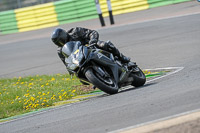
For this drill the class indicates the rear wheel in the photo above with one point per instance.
(107, 84)
(139, 77)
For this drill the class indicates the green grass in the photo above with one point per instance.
(22, 95)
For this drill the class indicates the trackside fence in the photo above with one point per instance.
(68, 11)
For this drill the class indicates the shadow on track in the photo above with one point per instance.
(134, 88)
(126, 90)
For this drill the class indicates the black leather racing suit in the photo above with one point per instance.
(87, 36)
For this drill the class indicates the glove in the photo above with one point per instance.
(92, 41)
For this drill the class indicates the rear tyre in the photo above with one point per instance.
(139, 77)
(107, 85)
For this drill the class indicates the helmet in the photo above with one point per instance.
(60, 37)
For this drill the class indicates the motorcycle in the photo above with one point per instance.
(101, 68)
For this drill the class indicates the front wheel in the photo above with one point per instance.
(107, 85)
(139, 77)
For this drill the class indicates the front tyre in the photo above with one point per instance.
(107, 85)
(139, 77)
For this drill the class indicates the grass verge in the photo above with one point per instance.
(22, 95)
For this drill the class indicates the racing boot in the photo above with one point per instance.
(123, 58)
(111, 48)
(126, 60)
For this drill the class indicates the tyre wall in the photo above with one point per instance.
(68, 11)
(127, 6)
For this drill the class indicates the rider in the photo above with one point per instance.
(86, 36)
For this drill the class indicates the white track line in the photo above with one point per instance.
(155, 121)
(167, 68)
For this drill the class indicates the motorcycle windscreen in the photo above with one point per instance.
(75, 58)
(70, 47)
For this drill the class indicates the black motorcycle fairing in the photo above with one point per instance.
(85, 51)
(97, 56)
(100, 71)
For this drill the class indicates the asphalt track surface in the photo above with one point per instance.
(170, 42)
